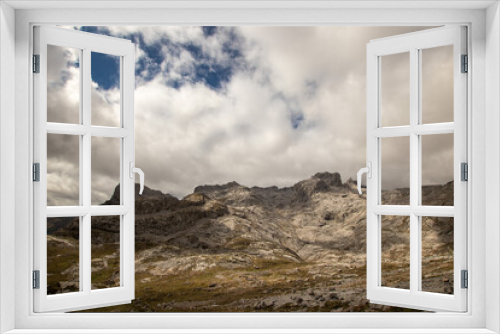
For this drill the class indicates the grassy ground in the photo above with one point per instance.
(263, 286)
(62, 256)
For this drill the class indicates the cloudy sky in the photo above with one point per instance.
(258, 105)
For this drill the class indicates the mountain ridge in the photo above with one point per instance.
(305, 245)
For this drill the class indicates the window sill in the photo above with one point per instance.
(252, 331)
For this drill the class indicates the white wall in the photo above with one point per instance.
(23, 267)
(7, 159)
(492, 163)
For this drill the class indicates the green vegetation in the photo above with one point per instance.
(62, 257)
(105, 265)
(265, 285)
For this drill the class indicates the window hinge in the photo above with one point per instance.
(465, 279)
(465, 64)
(36, 279)
(36, 172)
(464, 171)
(36, 63)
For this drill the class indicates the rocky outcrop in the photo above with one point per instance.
(216, 188)
(151, 201)
(319, 183)
(297, 248)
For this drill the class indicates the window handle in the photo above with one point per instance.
(134, 170)
(368, 171)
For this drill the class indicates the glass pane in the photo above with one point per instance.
(63, 84)
(437, 170)
(105, 239)
(105, 73)
(437, 84)
(63, 255)
(395, 89)
(105, 171)
(63, 170)
(395, 251)
(437, 254)
(395, 166)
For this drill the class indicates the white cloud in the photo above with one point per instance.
(193, 135)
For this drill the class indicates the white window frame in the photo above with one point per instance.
(482, 18)
(85, 298)
(413, 44)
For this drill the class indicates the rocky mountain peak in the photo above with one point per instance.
(235, 194)
(148, 192)
(318, 183)
(150, 201)
(206, 189)
(331, 179)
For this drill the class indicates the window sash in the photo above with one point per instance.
(413, 43)
(86, 298)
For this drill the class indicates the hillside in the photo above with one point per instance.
(231, 248)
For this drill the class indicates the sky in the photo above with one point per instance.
(262, 106)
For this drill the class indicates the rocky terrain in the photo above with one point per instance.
(231, 248)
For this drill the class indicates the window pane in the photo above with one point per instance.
(395, 89)
(63, 84)
(105, 74)
(105, 171)
(105, 239)
(63, 255)
(395, 170)
(437, 254)
(437, 170)
(437, 84)
(63, 170)
(395, 251)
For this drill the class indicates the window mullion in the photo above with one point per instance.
(85, 265)
(85, 163)
(414, 171)
(85, 167)
(81, 250)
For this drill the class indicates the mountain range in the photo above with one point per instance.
(232, 248)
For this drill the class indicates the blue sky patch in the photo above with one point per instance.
(209, 31)
(205, 69)
(105, 70)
